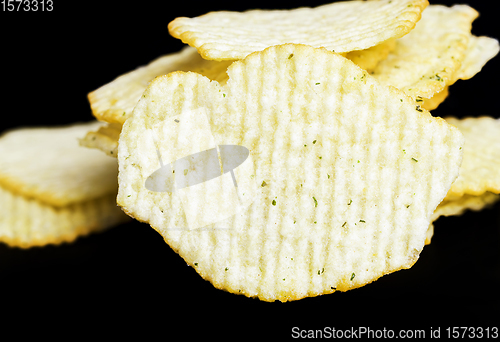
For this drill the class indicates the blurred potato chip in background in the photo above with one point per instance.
(52, 189)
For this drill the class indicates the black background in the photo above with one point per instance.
(128, 279)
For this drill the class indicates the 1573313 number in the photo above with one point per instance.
(472, 332)
(27, 5)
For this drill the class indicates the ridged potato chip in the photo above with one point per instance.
(427, 59)
(347, 173)
(28, 222)
(114, 102)
(51, 189)
(340, 26)
(480, 170)
(479, 51)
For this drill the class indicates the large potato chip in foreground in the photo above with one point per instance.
(345, 173)
(426, 60)
(341, 26)
(114, 102)
(51, 189)
(480, 170)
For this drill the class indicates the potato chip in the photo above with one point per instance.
(467, 202)
(49, 165)
(426, 60)
(480, 170)
(435, 100)
(104, 139)
(429, 234)
(369, 58)
(51, 189)
(458, 206)
(341, 26)
(115, 101)
(344, 179)
(479, 51)
(26, 222)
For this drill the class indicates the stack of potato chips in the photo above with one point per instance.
(345, 170)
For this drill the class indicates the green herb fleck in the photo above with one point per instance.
(418, 108)
(129, 195)
(315, 202)
(352, 276)
(328, 176)
(123, 114)
(350, 201)
(196, 264)
(414, 159)
(419, 99)
(317, 83)
(224, 95)
(407, 206)
(228, 268)
(401, 100)
(314, 141)
(290, 56)
(185, 172)
(344, 224)
(362, 221)
(263, 184)
(274, 202)
(320, 157)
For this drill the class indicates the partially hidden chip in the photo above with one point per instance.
(479, 51)
(105, 138)
(480, 170)
(458, 206)
(114, 102)
(52, 189)
(428, 58)
(343, 26)
(329, 182)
